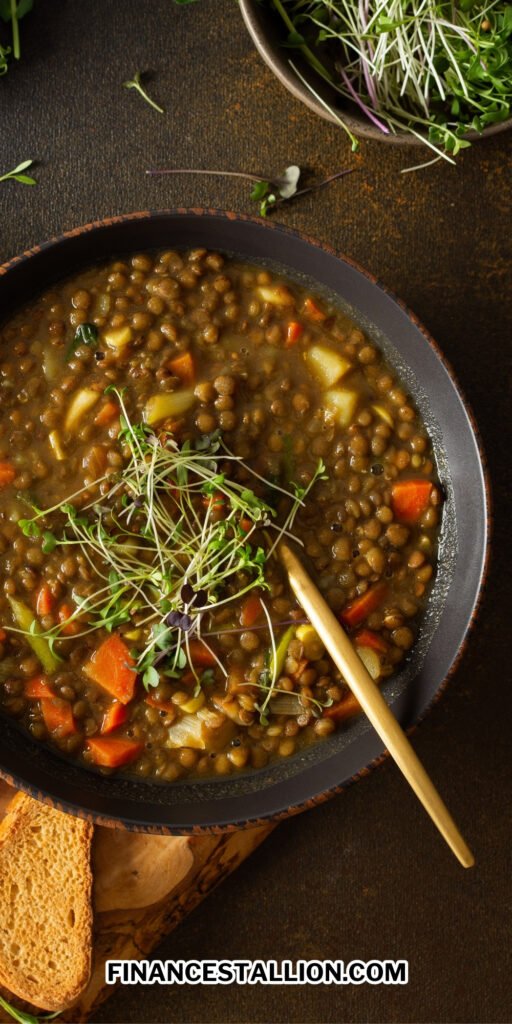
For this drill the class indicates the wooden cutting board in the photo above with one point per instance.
(144, 885)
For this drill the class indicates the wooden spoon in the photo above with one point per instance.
(371, 700)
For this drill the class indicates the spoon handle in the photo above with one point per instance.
(371, 700)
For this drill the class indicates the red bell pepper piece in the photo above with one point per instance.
(44, 600)
(313, 311)
(294, 331)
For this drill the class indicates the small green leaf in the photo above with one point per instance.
(85, 334)
(49, 542)
(260, 190)
(150, 677)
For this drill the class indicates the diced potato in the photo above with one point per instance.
(342, 404)
(56, 446)
(313, 646)
(52, 362)
(80, 403)
(169, 403)
(384, 414)
(118, 337)
(277, 295)
(370, 660)
(191, 706)
(188, 732)
(305, 632)
(326, 365)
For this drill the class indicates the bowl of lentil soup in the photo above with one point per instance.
(179, 388)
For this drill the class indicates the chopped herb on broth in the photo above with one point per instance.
(164, 420)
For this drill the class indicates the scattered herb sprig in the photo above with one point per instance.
(12, 11)
(22, 1016)
(267, 192)
(136, 83)
(18, 174)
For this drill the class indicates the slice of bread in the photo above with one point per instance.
(45, 903)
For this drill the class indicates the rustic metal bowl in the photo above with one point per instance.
(310, 776)
(267, 33)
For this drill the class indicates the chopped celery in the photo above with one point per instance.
(24, 618)
(277, 664)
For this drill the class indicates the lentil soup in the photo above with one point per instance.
(164, 419)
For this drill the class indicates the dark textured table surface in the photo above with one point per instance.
(364, 875)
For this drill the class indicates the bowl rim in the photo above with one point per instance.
(312, 799)
(254, 17)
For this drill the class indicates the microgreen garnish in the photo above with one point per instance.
(432, 70)
(85, 334)
(161, 555)
(17, 173)
(136, 83)
(22, 1016)
(267, 192)
(13, 11)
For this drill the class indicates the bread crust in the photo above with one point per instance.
(45, 903)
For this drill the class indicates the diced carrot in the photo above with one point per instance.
(37, 688)
(162, 705)
(114, 716)
(3, 636)
(200, 655)
(184, 368)
(343, 708)
(112, 667)
(44, 600)
(68, 628)
(294, 331)
(313, 311)
(7, 473)
(410, 498)
(107, 413)
(251, 611)
(58, 716)
(112, 752)
(359, 610)
(246, 524)
(367, 638)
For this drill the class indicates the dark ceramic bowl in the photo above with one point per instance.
(268, 35)
(310, 776)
